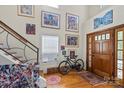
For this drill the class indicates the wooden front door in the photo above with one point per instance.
(102, 53)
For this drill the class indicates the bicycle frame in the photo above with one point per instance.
(70, 61)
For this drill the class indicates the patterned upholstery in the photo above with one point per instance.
(18, 76)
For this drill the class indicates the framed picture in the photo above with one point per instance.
(62, 47)
(30, 29)
(50, 20)
(63, 52)
(106, 19)
(72, 40)
(72, 54)
(25, 10)
(72, 22)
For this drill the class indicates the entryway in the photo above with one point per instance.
(105, 53)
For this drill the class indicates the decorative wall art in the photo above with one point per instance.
(62, 47)
(72, 40)
(72, 22)
(105, 20)
(72, 54)
(30, 29)
(26, 10)
(51, 20)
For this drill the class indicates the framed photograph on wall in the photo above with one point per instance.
(25, 10)
(62, 47)
(72, 22)
(50, 20)
(71, 40)
(72, 54)
(30, 29)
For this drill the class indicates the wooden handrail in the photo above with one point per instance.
(15, 34)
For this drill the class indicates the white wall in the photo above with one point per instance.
(96, 9)
(118, 18)
(10, 17)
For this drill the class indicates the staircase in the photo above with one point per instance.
(16, 48)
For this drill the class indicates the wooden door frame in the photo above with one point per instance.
(87, 53)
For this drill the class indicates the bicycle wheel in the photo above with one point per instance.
(64, 67)
(79, 65)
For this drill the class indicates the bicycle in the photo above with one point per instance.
(66, 65)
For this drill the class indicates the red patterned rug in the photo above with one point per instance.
(53, 79)
(92, 78)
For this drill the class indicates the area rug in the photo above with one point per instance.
(53, 79)
(92, 78)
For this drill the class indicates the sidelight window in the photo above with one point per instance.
(120, 54)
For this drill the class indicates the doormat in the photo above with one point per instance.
(53, 79)
(92, 78)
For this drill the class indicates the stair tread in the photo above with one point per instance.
(7, 49)
(20, 60)
(11, 52)
(19, 56)
(24, 61)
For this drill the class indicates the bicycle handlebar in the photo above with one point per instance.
(69, 56)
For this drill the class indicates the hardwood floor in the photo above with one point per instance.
(73, 80)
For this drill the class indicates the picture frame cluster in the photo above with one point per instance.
(52, 20)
